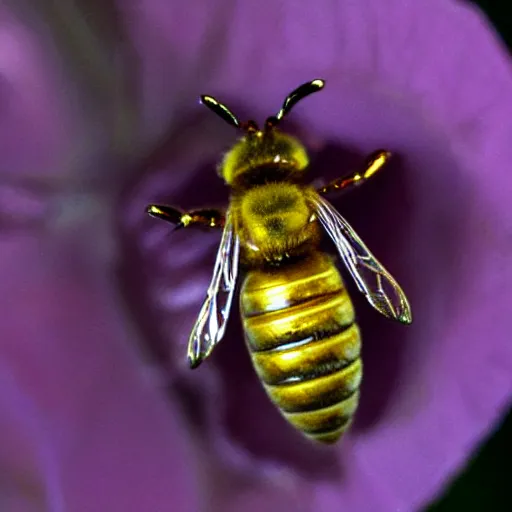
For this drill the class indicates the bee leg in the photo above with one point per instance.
(206, 218)
(374, 163)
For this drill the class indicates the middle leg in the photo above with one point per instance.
(206, 218)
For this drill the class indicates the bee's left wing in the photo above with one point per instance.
(211, 322)
(372, 279)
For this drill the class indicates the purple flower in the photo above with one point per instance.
(98, 410)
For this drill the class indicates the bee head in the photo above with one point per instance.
(263, 147)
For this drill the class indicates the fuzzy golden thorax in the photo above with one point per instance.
(274, 223)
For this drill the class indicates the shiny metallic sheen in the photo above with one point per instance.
(301, 92)
(311, 358)
(220, 109)
(304, 344)
(263, 296)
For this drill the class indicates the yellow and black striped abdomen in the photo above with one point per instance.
(305, 344)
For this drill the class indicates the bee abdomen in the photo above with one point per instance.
(315, 385)
(305, 345)
(294, 362)
(328, 423)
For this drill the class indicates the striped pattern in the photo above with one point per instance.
(304, 344)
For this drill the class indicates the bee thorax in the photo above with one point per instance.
(275, 223)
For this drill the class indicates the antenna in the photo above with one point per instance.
(295, 96)
(221, 110)
(250, 126)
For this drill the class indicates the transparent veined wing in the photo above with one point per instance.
(211, 322)
(372, 279)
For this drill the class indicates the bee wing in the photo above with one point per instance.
(372, 279)
(211, 322)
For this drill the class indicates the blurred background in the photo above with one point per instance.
(485, 484)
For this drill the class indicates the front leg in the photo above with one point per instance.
(206, 218)
(374, 163)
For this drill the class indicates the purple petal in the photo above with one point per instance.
(430, 83)
(97, 413)
(68, 115)
(427, 82)
(35, 129)
(27, 468)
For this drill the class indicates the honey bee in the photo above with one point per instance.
(298, 318)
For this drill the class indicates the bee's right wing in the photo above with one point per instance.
(372, 279)
(211, 322)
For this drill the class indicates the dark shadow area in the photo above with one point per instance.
(485, 484)
(498, 14)
(248, 416)
(384, 202)
(386, 214)
(139, 268)
(255, 423)
(420, 244)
